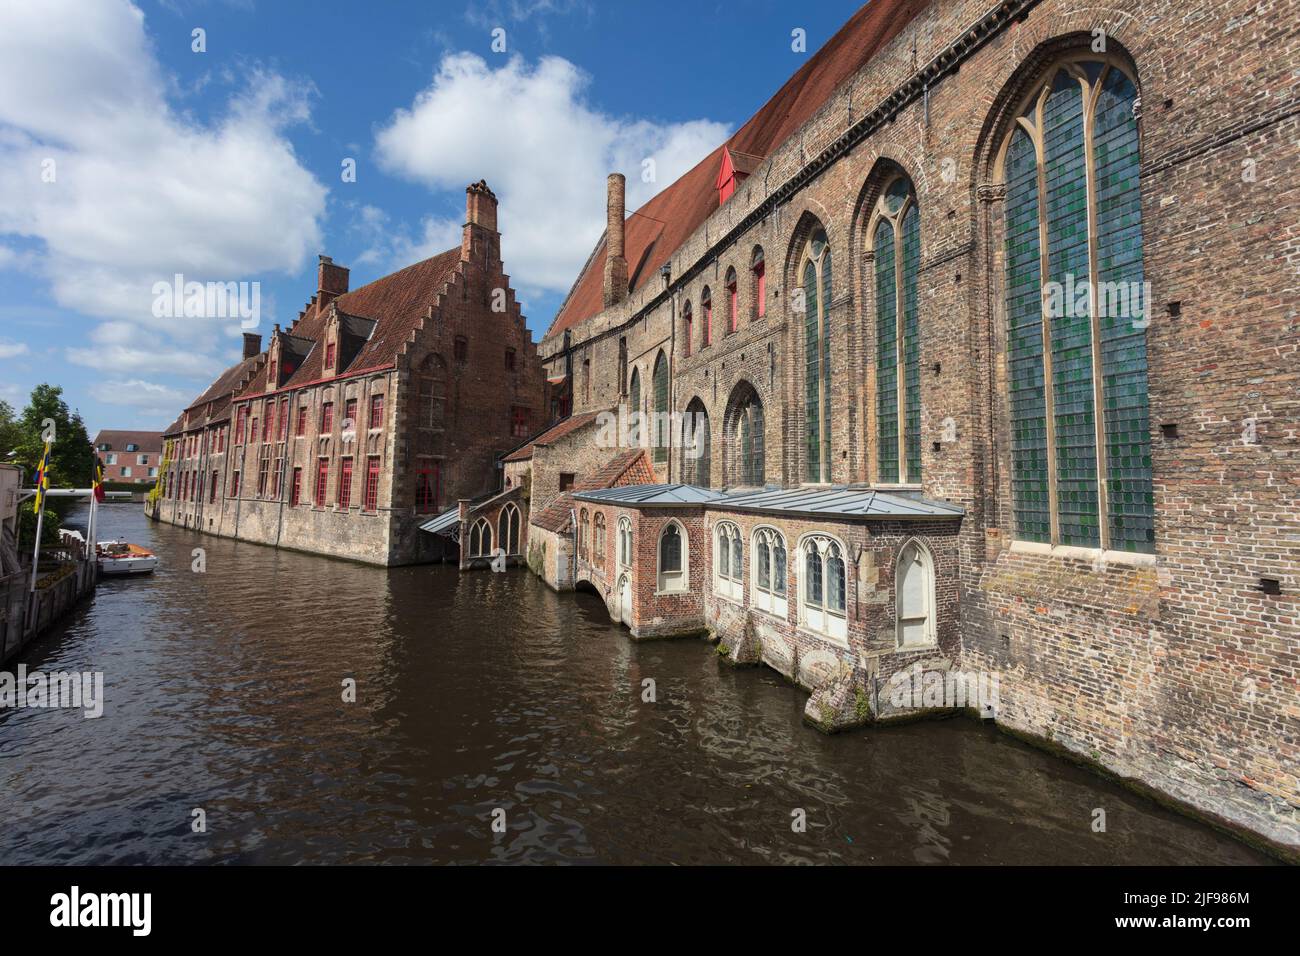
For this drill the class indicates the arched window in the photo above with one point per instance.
(660, 382)
(634, 408)
(896, 243)
(733, 301)
(816, 300)
(745, 434)
(696, 464)
(598, 558)
(672, 558)
(584, 535)
(758, 269)
(822, 601)
(687, 329)
(480, 539)
(508, 529)
(625, 542)
(728, 561)
(1077, 372)
(706, 316)
(914, 596)
(768, 558)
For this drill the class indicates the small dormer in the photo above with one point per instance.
(735, 167)
(344, 337)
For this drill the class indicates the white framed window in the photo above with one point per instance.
(142, 459)
(126, 472)
(625, 542)
(673, 554)
(768, 560)
(822, 587)
(728, 561)
(112, 459)
(914, 596)
(153, 472)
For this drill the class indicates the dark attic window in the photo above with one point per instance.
(462, 349)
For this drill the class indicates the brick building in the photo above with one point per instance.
(130, 455)
(908, 439)
(377, 409)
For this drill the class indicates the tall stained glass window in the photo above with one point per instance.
(896, 243)
(816, 278)
(1077, 313)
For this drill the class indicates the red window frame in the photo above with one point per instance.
(344, 495)
(302, 420)
(372, 484)
(276, 476)
(234, 484)
(350, 412)
(322, 480)
(241, 421)
(519, 421)
(268, 419)
(295, 490)
(428, 485)
(329, 355)
(377, 411)
(283, 432)
(760, 289)
(327, 418)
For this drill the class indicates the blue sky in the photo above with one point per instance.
(127, 157)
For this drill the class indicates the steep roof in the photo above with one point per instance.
(626, 468)
(557, 431)
(395, 302)
(118, 440)
(656, 230)
(227, 382)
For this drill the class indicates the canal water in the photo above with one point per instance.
(486, 692)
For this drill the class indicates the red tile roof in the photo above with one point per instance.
(626, 468)
(397, 302)
(551, 435)
(118, 440)
(656, 230)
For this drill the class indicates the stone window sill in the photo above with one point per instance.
(1091, 555)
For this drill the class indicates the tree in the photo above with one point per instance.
(72, 459)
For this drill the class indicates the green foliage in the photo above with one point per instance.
(72, 459)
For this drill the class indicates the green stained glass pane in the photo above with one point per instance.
(660, 384)
(1029, 486)
(886, 353)
(812, 374)
(1121, 307)
(826, 361)
(911, 344)
(1066, 177)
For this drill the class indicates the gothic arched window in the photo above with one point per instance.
(822, 598)
(672, 558)
(508, 529)
(816, 301)
(768, 558)
(696, 463)
(896, 244)
(1077, 310)
(660, 384)
(914, 596)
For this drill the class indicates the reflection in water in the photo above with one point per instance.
(479, 692)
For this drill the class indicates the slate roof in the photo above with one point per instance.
(443, 522)
(840, 501)
(656, 230)
(648, 495)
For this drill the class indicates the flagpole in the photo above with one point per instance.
(36, 551)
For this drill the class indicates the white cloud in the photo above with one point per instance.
(12, 349)
(141, 191)
(544, 150)
(138, 393)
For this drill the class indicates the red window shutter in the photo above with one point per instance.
(372, 483)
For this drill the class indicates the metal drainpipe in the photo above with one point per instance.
(573, 572)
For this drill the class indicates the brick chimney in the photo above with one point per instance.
(331, 281)
(252, 344)
(480, 234)
(615, 288)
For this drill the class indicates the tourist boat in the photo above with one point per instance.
(121, 557)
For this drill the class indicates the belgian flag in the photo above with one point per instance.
(99, 480)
